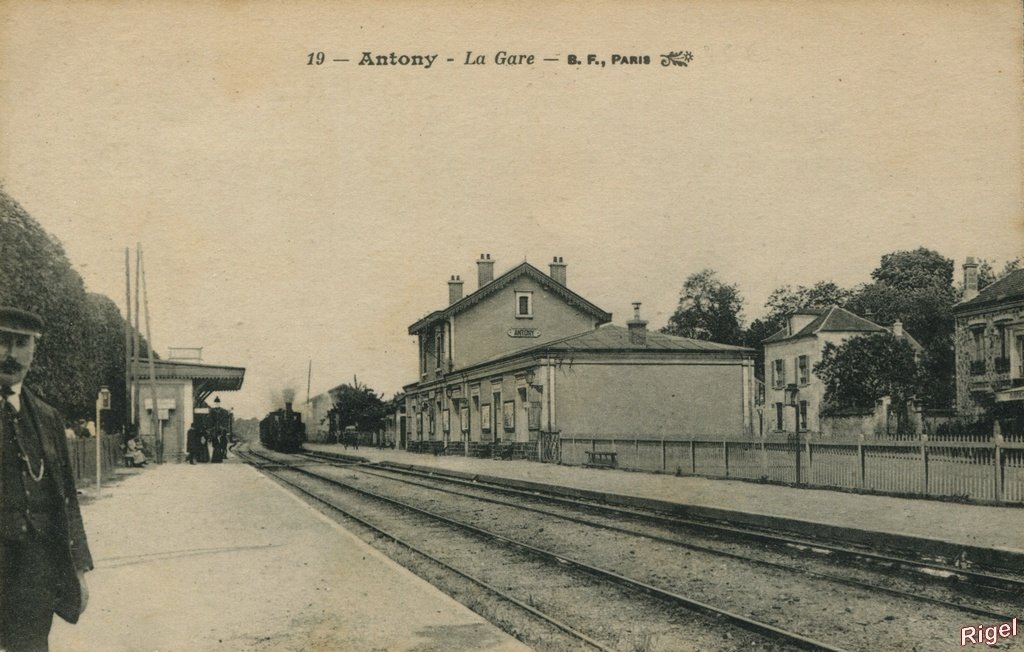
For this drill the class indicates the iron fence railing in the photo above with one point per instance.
(82, 453)
(979, 471)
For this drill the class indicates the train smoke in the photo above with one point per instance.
(279, 397)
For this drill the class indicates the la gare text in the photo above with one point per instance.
(500, 58)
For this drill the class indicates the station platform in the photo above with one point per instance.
(986, 536)
(220, 557)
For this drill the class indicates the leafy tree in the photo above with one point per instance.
(823, 294)
(357, 405)
(916, 288)
(83, 344)
(708, 310)
(863, 369)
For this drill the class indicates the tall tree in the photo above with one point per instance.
(863, 369)
(823, 294)
(708, 310)
(916, 288)
(357, 405)
(83, 344)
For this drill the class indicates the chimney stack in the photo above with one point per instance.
(454, 289)
(970, 279)
(637, 327)
(557, 268)
(897, 328)
(485, 269)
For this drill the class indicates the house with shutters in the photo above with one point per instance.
(789, 358)
(527, 364)
(989, 343)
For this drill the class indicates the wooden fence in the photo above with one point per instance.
(983, 471)
(83, 458)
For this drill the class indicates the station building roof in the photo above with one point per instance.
(522, 269)
(213, 378)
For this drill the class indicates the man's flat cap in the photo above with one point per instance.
(23, 322)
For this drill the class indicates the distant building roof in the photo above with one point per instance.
(522, 269)
(1007, 288)
(830, 320)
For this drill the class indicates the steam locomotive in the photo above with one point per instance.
(283, 430)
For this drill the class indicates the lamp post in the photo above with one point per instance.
(792, 396)
(102, 403)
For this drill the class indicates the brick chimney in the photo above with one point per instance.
(454, 289)
(485, 269)
(557, 268)
(637, 327)
(970, 279)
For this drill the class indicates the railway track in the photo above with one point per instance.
(890, 565)
(587, 604)
(616, 529)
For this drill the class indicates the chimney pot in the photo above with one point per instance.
(637, 327)
(485, 269)
(557, 270)
(970, 278)
(454, 289)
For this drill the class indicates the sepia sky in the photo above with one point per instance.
(291, 212)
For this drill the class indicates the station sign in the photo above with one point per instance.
(523, 332)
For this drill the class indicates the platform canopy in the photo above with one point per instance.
(206, 378)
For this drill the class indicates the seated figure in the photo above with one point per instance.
(134, 452)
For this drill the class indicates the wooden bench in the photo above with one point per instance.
(601, 459)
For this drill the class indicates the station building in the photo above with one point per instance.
(182, 385)
(527, 365)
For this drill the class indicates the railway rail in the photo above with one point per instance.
(599, 590)
(630, 528)
(885, 569)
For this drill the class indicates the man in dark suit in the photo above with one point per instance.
(43, 550)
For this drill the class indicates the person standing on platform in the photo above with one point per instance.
(192, 444)
(43, 550)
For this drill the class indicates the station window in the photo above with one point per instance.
(524, 305)
(803, 369)
(780, 424)
(803, 415)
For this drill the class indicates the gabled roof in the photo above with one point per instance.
(1007, 288)
(523, 269)
(832, 320)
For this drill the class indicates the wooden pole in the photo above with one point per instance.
(136, 352)
(152, 371)
(129, 416)
(309, 379)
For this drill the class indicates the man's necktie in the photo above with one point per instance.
(10, 421)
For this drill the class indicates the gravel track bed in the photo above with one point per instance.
(620, 619)
(801, 558)
(848, 617)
